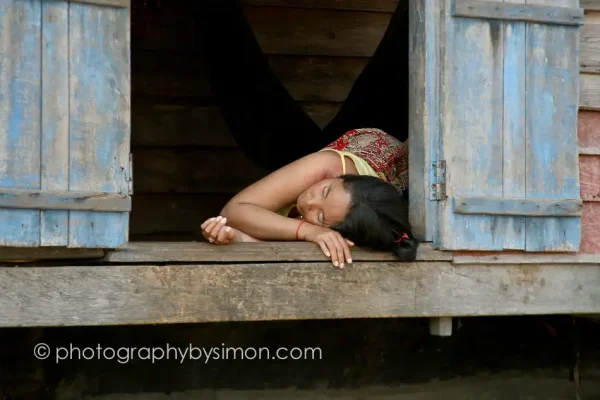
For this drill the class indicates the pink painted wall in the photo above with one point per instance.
(589, 172)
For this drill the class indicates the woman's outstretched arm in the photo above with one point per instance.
(254, 210)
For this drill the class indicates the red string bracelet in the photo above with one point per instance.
(401, 238)
(298, 229)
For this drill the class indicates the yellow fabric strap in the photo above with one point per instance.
(362, 166)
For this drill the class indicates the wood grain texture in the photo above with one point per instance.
(279, 30)
(308, 79)
(149, 294)
(54, 225)
(502, 258)
(29, 254)
(590, 92)
(590, 227)
(163, 124)
(360, 5)
(178, 215)
(317, 32)
(71, 200)
(99, 119)
(590, 151)
(589, 172)
(109, 3)
(551, 141)
(473, 87)
(20, 115)
(588, 129)
(513, 126)
(518, 206)
(190, 170)
(424, 107)
(524, 12)
(590, 4)
(592, 17)
(152, 252)
(589, 48)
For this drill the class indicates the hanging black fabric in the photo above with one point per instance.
(267, 123)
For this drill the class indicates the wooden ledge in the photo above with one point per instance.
(27, 254)
(536, 258)
(150, 252)
(150, 294)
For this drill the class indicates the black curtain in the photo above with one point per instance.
(268, 124)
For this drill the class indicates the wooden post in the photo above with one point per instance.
(440, 326)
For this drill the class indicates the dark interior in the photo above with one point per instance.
(223, 92)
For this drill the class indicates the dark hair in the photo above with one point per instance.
(377, 217)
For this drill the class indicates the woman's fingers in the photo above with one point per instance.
(337, 254)
(346, 249)
(213, 228)
(324, 248)
(224, 236)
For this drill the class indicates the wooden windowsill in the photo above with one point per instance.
(148, 252)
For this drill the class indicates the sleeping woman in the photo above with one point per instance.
(339, 186)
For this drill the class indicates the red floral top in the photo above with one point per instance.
(384, 153)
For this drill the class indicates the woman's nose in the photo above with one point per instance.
(311, 203)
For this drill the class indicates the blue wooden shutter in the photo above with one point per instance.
(65, 173)
(505, 161)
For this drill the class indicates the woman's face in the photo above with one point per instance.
(325, 203)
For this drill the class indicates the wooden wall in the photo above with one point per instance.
(589, 127)
(186, 165)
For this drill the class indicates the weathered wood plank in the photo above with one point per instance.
(360, 5)
(513, 126)
(589, 151)
(20, 115)
(279, 30)
(526, 258)
(156, 124)
(524, 12)
(148, 294)
(308, 79)
(590, 92)
(589, 48)
(589, 175)
(151, 252)
(71, 200)
(54, 225)
(473, 93)
(522, 206)
(424, 126)
(590, 4)
(292, 31)
(588, 129)
(185, 170)
(26, 254)
(180, 214)
(109, 3)
(551, 147)
(590, 227)
(591, 17)
(99, 119)
(327, 79)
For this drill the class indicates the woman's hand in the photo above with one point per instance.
(215, 231)
(331, 242)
